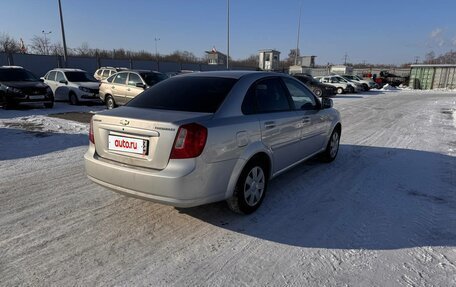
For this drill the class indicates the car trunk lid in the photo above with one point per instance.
(140, 137)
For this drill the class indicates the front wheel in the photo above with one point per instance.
(332, 148)
(318, 92)
(250, 189)
(73, 99)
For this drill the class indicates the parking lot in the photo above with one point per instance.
(382, 214)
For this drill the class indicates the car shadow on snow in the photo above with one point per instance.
(369, 198)
(22, 143)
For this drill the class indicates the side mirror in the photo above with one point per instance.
(140, 85)
(42, 79)
(63, 82)
(326, 103)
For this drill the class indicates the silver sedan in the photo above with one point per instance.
(212, 136)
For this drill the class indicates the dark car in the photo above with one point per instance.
(319, 89)
(20, 86)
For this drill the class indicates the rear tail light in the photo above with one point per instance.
(189, 142)
(91, 137)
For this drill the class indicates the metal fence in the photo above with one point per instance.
(41, 64)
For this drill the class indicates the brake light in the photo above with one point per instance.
(189, 142)
(91, 137)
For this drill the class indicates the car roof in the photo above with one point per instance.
(68, 70)
(11, 67)
(231, 74)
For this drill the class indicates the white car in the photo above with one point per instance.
(367, 85)
(73, 85)
(342, 85)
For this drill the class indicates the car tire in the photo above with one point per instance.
(49, 105)
(318, 92)
(365, 87)
(332, 148)
(339, 90)
(250, 188)
(351, 90)
(110, 103)
(73, 99)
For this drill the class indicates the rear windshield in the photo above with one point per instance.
(79, 77)
(191, 94)
(13, 75)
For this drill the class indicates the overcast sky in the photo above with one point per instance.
(388, 31)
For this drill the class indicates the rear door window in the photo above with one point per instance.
(105, 73)
(266, 96)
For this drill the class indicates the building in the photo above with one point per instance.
(307, 61)
(269, 60)
(428, 77)
(214, 57)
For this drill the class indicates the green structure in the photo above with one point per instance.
(428, 77)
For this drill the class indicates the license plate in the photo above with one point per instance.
(39, 97)
(126, 144)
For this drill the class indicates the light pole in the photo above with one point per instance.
(299, 32)
(228, 36)
(46, 50)
(63, 35)
(156, 49)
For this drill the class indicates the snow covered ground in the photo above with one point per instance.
(382, 214)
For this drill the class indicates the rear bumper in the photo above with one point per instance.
(183, 183)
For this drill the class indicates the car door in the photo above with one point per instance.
(61, 91)
(315, 121)
(280, 125)
(49, 80)
(119, 88)
(132, 90)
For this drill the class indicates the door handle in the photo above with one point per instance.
(306, 120)
(112, 87)
(128, 89)
(269, 125)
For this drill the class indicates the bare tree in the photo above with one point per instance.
(8, 44)
(40, 45)
(85, 50)
(56, 49)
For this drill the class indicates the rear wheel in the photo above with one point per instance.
(73, 99)
(366, 87)
(339, 90)
(49, 105)
(250, 188)
(110, 103)
(332, 148)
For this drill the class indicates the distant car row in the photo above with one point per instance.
(20, 86)
(326, 86)
(119, 85)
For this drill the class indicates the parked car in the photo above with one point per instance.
(366, 84)
(318, 88)
(20, 86)
(73, 85)
(106, 72)
(123, 86)
(211, 136)
(341, 85)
